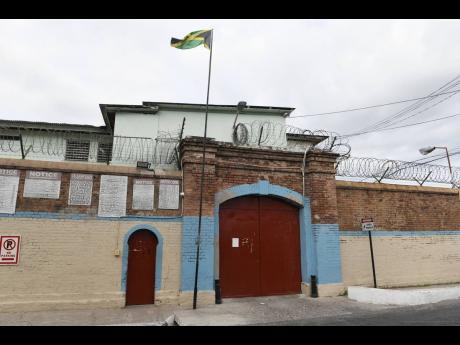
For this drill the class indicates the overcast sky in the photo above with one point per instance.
(61, 70)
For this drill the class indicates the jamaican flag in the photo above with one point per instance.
(193, 39)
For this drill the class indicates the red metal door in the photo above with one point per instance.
(279, 248)
(140, 285)
(239, 247)
(266, 259)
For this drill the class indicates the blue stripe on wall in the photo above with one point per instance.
(307, 243)
(78, 216)
(399, 233)
(327, 243)
(206, 265)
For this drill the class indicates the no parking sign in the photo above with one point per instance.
(9, 250)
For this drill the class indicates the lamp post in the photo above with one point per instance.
(429, 149)
(239, 108)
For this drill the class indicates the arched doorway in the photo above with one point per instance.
(140, 286)
(259, 247)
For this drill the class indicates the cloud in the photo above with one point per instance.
(60, 70)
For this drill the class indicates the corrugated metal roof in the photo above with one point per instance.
(37, 125)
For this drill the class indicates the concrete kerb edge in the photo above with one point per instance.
(415, 296)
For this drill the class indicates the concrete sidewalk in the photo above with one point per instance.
(260, 310)
(241, 311)
(143, 315)
(232, 312)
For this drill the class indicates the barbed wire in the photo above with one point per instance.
(68, 145)
(379, 169)
(275, 135)
(163, 150)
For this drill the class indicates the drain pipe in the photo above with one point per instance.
(313, 280)
(303, 170)
(182, 194)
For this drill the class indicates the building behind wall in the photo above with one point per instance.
(75, 224)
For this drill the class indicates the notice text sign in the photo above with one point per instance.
(367, 224)
(169, 195)
(143, 193)
(42, 184)
(112, 196)
(9, 182)
(81, 188)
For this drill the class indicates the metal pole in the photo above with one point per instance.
(197, 262)
(448, 160)
(372, 257)
(22, 146)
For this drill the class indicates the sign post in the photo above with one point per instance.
(367, 224)
(9, 250)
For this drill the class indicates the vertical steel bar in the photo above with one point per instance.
(197, 263)
(372, 257)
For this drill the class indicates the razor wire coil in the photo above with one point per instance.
(275, 135)
(56, 145)
(365, 167)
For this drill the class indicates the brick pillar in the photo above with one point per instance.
(192, 155)
(320, 187)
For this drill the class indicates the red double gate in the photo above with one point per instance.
(259, 247)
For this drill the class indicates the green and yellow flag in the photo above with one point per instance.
(193, 39)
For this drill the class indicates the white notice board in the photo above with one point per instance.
(169, 195)
(143, 194)
(112, 196)
(9, 182)
(42, 184)
(80, 190)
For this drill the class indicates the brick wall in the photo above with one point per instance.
(61, 205)
(397, 207)
(228, 166)
(417, 236)
(52, 238)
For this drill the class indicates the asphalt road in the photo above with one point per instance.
(446, 313)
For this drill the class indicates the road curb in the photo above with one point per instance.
(402, 296)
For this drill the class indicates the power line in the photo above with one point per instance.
(387, 121)
(421, 111)
(408, 125)
(373, 106)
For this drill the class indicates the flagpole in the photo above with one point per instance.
(198, 240)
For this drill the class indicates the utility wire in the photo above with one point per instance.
(421, 111)
(402, 116)
(387, 121)
(391, 128)
(373, 106)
